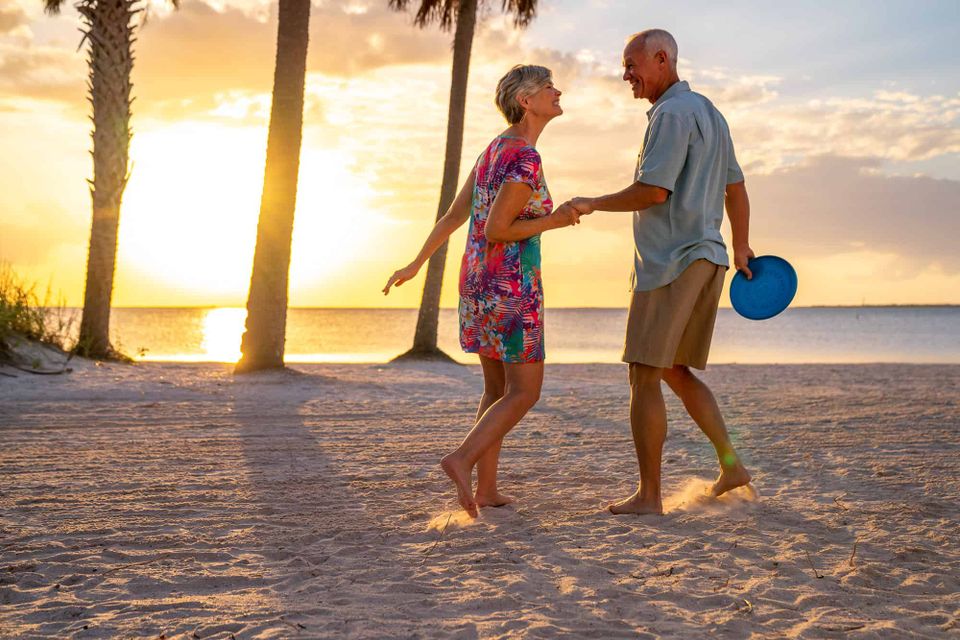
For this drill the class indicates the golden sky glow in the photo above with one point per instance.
(855, 183)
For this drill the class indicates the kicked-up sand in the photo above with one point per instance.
(163, 500)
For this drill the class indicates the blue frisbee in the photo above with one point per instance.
(770, 291)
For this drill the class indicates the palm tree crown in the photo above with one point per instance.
(444, 11)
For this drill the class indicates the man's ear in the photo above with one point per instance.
(661, 56)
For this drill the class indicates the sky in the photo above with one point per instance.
(845, 116)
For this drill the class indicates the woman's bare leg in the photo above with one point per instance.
(521, 391)
(494, 380)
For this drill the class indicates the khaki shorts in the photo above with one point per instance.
(673, 325)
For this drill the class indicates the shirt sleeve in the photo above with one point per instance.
(524, 167)
(734, 172)
(665, 151)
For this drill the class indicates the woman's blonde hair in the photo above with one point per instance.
(521, 81)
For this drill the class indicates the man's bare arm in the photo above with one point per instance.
(636, 197)
(738, 210)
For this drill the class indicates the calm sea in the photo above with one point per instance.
(801, 335)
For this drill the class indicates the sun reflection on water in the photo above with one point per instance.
(222, 330)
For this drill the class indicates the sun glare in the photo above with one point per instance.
(222, 331)
(191, 211)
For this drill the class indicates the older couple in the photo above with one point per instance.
(686, 173)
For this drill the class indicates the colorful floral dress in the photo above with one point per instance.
(501, 293)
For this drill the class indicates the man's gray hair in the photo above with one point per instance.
(521, 81)
(653, 40)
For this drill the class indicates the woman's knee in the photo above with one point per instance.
(493, 392)
(526, 397)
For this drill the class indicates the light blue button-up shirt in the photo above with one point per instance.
(687, 150)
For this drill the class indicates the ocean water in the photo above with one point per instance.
(801, 335)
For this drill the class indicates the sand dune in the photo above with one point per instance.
(178, 500)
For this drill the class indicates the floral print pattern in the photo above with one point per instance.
(501, 293)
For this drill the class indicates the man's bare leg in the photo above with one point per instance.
(702, 407)
(648, 422)
(493, 385)
(521, 392)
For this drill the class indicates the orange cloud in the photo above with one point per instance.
(12, 17)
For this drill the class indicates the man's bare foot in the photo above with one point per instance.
(460, 474)
(637, 506)
(496, 500)
(730, 478)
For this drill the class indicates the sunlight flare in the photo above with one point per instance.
(222, 331)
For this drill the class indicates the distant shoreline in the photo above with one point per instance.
(817, 306)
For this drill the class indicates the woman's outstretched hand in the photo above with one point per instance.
(400, 276)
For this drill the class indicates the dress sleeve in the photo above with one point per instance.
(665, 151)
(524, 167)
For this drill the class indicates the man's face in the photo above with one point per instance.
(644, 71)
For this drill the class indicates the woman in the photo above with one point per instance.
(506, 200)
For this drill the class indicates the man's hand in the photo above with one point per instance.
(741, 255)
(400, 276)
(583, 205)
(566, 215)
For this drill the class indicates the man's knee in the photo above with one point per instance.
(677, 376)
(642, 375)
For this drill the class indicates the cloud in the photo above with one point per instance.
(730, 90)
(899, 127)
(202, 62)
(12, 17)
(833, 205)
(190, 59)
(40, 71)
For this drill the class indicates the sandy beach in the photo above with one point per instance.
(166, 500)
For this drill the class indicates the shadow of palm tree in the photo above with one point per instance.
(348, 491)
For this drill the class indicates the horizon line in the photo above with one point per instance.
(624, 308)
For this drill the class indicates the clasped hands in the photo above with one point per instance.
(570, 211)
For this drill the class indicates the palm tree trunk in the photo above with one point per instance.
(263, 341)
(108, 27)
(425, 337)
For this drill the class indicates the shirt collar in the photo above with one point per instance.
(672, 90)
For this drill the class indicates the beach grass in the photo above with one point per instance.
(24, 316)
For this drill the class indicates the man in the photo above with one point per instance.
(685, 174)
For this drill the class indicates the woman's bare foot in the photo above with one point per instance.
(637, 505)
(497, 499)
(730, 478)
(460, 474)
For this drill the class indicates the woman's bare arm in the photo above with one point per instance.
(453, 219)
(503, 225)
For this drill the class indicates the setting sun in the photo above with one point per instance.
(190, 211)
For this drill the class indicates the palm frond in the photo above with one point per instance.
(52, 7)
(440, 11)
(444, 12)
(523, 11)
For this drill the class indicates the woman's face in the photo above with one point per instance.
(545, 102)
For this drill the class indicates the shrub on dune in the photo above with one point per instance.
(26, 320)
